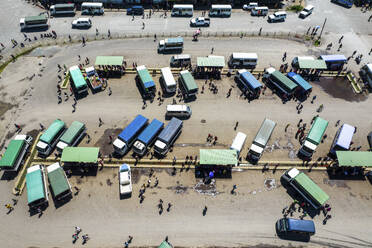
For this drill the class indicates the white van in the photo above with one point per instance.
(92, 8)
(243, 60)
(238, 142)
(260, 11)
(306, 11)
(278, 16)
(182, 10)
(179, 111)
(82, 22)
(167, 80)
(180, 60)
(250, 6)
(220, 10)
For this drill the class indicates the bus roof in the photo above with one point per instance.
(354, 158)
(35, 186)
(36, 18)
(57, 179)
(238, 141)
(145, 77)
(152, 129)
(335, 57)
(11, 153)
(133, 127)
(244, 55)
(210, 61)
(177, 107)
(221, 6)
(286, 82)
(183, 6)
(71, 133)
(249, 78)
(64, 5)
(265, 131)
(301, 225)
(317, 130)
(189, 80)
(345, 136)
(52, 131)
(168, 76)
(311, 188)
(92, 4)
(299, 80)
(80, 154)
(170, 130)
(174, 40)
(77, 77)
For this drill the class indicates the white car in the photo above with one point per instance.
(277, 16)
(306, 11)
(125, 181)
(250, 6)
(82, 23)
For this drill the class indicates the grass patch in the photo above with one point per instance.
(24, 52)
(317, 43)
(296, 8)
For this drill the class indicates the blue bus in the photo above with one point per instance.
(346, 3)
(304, 88)
(248, 82)
(334, 62)
(342, 139)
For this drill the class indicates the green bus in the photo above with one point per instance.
(79, 83)
(40, 21)
(15, 153)
(72, 136)
(314, 137)
(188, 83)
(37, 191)
(49, 139)
(283, 85)
(59, 183)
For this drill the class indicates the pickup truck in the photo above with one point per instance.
(200, 22)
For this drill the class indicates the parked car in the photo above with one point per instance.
(82, 23)
(200, 22)
(250, 6)
(278, 16)
(125, 181)
(306, 11)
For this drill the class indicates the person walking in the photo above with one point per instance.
(205, 210)
(212, 50)
(339, 41)
(169, 206)
(100, 121)
(236, 125)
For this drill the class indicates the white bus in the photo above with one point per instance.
(220, 10)
(238, 142)
(167, 80)
(243, 60)
(40, 21)
(62, 9)
(92, 8)
(183, 10)
(260, 11)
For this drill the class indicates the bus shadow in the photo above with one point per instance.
(9, 175)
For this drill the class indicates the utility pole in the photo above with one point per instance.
(321, 32)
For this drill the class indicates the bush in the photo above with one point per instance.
(296, 8)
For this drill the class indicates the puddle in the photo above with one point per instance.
(338, 183)
(270, 183)
(340, 88)
(45, 51)
(137, 173)
(206, 189)
(102, 143)
(4, 107)
(179, 189)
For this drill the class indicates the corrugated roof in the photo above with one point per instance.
(312, 64)
(170, 130)
(71, 133)
(77, 77)
(189, 81)
(354, 158)
(58, 181)
(145, 77)
(35, 18)
(249, 78)
(109, 60)
(52, 131)
(150, 131)
(299, 80)
(11, 153)
(212, 61)
(286, 82)
(133, 128)
(312, 188)
(80, 155)
(35, 186)
(317, 130)
(218, 157)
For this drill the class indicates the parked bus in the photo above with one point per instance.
(313, 138)
(79, 83)
(248, 83)
(346, 3)
(243, 60)
(188, 84)
(59, 183)
(145, 81)
(49, 139)
(334, 62)
(260, 141)
(168, 136)
(304, 88)
(168, 81)
(238, 142)
(260, 11)
(220, 10)
(37, 191)
(170, 44)
(281, 83)
(366, 74)
(15, 153)
(342, 139)
(182, 10)
(62, 9)
(29, 22)
(92, 9)
(72, 136)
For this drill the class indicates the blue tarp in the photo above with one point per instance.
(333, 58)
(251, 80)
(300, 81)
(129, 132)
(150, 131)
(301, 225)
(170, 130)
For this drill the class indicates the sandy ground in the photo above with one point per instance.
(245, 219)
